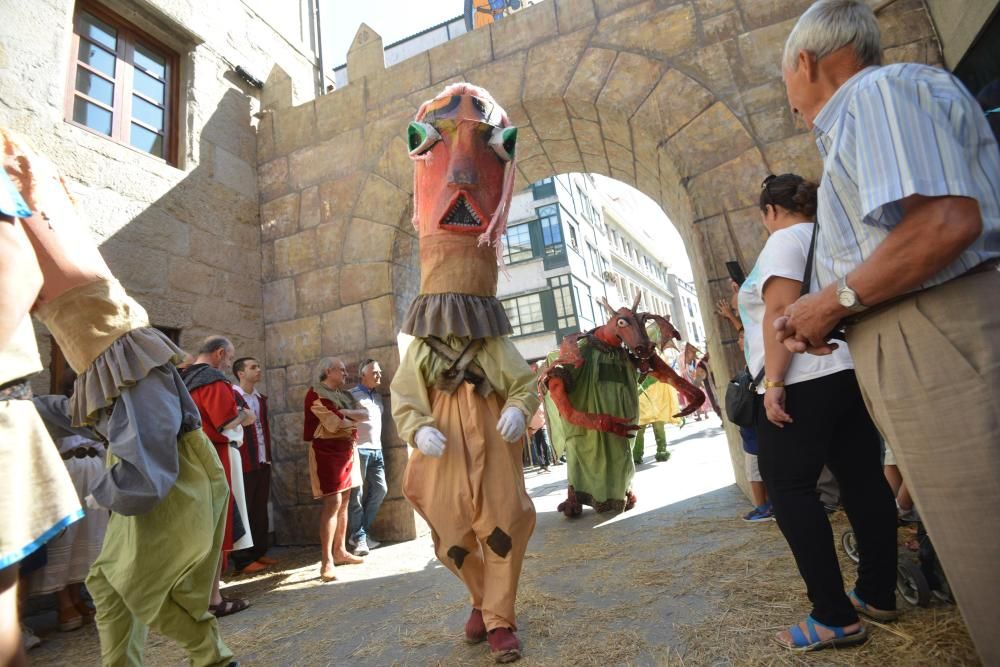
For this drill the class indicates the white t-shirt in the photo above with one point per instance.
(784, 256)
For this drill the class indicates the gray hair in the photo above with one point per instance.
(323, 365)
(829, 25)
(365, 363)
(213, 343)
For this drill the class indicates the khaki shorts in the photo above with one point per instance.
(890, 458)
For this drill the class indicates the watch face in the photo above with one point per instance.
(846, 298)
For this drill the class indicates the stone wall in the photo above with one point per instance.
(680, 99)
(184, 239)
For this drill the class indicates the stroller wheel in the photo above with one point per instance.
(912, 585)
(850, 545)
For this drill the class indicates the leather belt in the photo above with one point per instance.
(81, 453)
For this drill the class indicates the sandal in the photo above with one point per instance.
(228, 607)
(802, 644)
(871, 612)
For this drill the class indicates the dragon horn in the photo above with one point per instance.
(635, 304)
(612, 311)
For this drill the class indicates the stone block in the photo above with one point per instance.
(330, 240)
(341, 110)
(397, 522)
(283, 480)
(713, 137)
(304, 488)
(630, 81)
(457, 55)
(292, 341)
(590, 75)
(146, 272)
(277, 90)
(295, 128)
(708, 8)
(535, 169)
(672, 104)
(272, 179)
(596, 164)
(716, 245)
(382, 202)
(625, 176)
(395, 165)
(610, 7)
(335, 158)
(732, 185)
(550, 65)
(296, 398)
(760, 13)
(300, 374)
(664, 33)
(193, 277)
(796, 154)
(517, 32)
(276, 398)
(571, 15)
(279, 217)
(503, 77)
(588, 136)
(296, 524)
(279, 300)
(265, 137)
(337, 197)
(770, 95)
(904, 21)
(528, 143)
(343, 331)
(567, 168)
(401, 79)
(582, 110)
(267, 261)
(773, 125)
(380, 325)
(318, 292)
(562, 151)
(234, 172)
(367, 241)
(296, 254)
(615, 127)
(222, 316)
(760, 53)
(365, 57)
(749, 233)
(723, 26)
(620, 157)
(359, 282)
(710, 67)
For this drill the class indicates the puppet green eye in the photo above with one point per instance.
(503, 141)
(421, 136)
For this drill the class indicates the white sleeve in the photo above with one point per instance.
(784, 256)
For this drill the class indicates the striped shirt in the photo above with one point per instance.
(891, 132)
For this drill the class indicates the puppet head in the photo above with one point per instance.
(629, 326)
(462, 144)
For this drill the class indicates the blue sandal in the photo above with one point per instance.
(875, 614)
(801, 643)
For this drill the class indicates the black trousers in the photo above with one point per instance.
(832, 427)
(257, 486)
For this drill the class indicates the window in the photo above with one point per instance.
(543, 188)
(123, 84)
(572, 237)
(525, 314)
(595, 259)
(517, 244)
(562, 299)
(552, 238)
(583, 204)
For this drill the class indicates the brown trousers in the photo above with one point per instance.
(929, 368)
(474, 500)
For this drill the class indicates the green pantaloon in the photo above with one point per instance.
(156, 570)
(660, 434)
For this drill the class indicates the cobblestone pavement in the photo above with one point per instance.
(670, 582)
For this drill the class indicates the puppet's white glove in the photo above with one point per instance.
(92, 503)
(429, 441)
(511, 424)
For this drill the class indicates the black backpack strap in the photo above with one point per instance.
(807, 276)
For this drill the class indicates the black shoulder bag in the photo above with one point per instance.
(741, 391)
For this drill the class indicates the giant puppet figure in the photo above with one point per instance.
(164, 484)
(462, 393)
(593, 400)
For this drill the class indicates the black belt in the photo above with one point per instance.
(81, 453)
(16, 390)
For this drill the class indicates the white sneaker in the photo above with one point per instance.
(373, 543)
(28, 638)
(351, 542)
(361, 547)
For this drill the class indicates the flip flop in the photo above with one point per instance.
(802, 644)
(871, 612)
(228, 607)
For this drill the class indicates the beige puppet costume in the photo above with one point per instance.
(461, 378)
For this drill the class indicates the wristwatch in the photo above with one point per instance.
(848, 298)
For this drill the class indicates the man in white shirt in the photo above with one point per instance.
(366, 499)
(256, 456)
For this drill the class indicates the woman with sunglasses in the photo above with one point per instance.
(810, 414)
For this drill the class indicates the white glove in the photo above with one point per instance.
(92, 503)
(511, 424)
(429, 441)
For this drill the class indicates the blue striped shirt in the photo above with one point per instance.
(891, 132)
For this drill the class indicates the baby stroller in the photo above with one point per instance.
(918, 582)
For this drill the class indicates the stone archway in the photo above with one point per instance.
(682, 100)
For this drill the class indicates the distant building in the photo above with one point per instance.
(567, 246)
(686, 312)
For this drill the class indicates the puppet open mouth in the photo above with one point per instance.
(462, 215)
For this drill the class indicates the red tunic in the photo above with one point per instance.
(330, 459)
(217, 406)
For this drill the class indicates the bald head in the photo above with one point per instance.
(216, 351)
(332, 372)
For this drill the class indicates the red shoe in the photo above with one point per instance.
(475, 628)
(504, 645)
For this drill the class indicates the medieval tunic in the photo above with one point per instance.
(164, 484)
(332, 436)
(599, 464)
(473, 496)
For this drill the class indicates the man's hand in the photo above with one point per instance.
(774, 406)
(511, 424)
(807, 321)
(429, 441)
(249, 418)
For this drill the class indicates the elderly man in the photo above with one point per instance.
(331, 422)
(222, 420)
(909, 237)
(367, 498)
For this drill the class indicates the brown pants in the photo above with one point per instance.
(473, 498)
(929, 368)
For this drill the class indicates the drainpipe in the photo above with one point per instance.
(319, 46)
